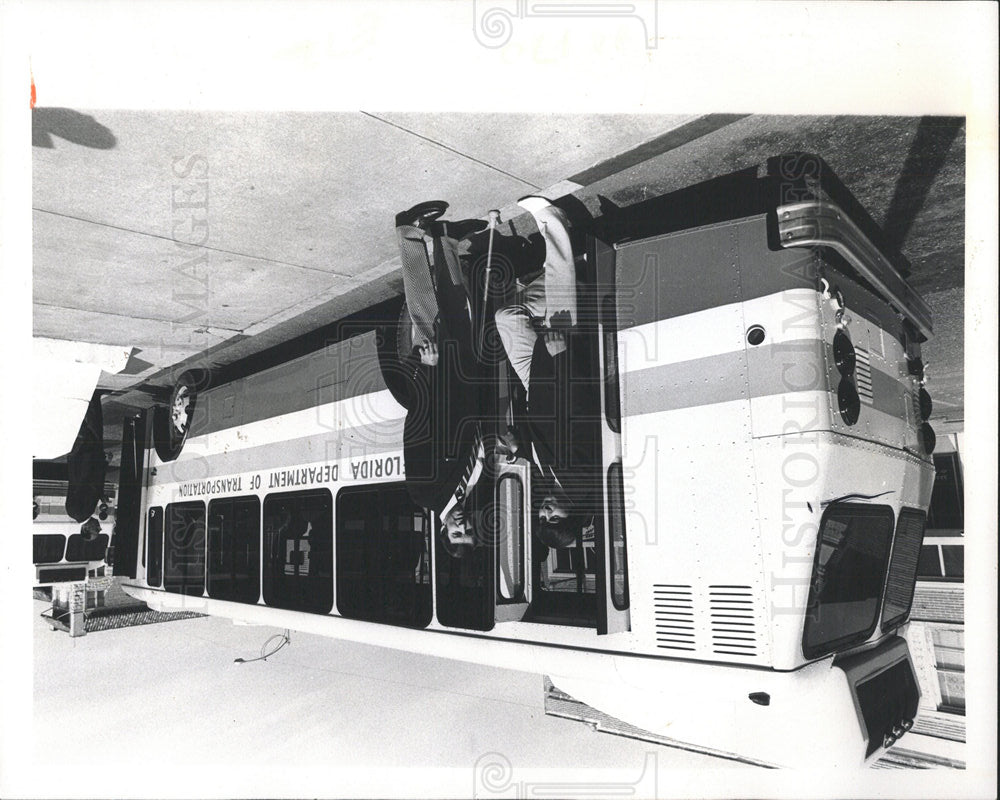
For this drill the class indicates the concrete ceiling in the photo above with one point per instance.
(291, 214)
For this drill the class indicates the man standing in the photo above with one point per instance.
(535, 331)
(441, 382)
(547, 306)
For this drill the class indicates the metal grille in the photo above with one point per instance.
(674, 614)
(917, 416)
(734, 627)
(903, 567)
(863, 375)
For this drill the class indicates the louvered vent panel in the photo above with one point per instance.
(863, 375)
(673, 608)
(734, 626)
(903, 566)
(917, 417)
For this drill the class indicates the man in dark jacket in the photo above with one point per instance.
(441, 382)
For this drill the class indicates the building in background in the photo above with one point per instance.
(937, 629)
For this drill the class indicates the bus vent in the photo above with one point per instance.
(734, 627)
(915, 405)
(674, 614)
(863, 375)
(903, 567)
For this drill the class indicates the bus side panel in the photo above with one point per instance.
(343, 369)
(695, 558)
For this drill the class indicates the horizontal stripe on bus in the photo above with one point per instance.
(742, 374)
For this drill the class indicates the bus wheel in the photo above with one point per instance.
(171, 424)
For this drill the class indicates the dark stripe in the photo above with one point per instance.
(694, 270)
(686, 133)
(340, 371)
(745, 374)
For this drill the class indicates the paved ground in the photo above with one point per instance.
(166, 703)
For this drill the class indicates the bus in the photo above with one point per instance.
(61, 551)
(753, 354)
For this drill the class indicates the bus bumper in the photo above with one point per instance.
(830, 714)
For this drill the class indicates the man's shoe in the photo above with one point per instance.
(422, 214)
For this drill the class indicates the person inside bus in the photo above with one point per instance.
(535, 330)
(464, 524)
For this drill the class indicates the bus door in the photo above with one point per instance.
(609, 527)
(131, 483)
(512, 524)
(579, 581)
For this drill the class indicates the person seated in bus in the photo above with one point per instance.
(561, 521)
(463, 519)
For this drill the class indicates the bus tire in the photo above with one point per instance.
(172, 423)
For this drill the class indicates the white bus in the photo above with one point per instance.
(765, 465)
(61, 552)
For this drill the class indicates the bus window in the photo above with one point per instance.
(510, 537)
(80, 548)
(616, 518)
(612, 389)
(298, 547)
(465, 585)
(154, 535)
(954, 560)
(234, 549)
(852, 555)
(184, 551)
(48, 547)
(929, 564)
(383, 556)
